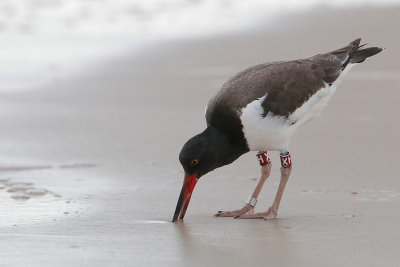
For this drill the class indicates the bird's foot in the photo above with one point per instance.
(247, 209)
(268, 215)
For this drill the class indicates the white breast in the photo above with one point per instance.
(264, 133)
(272, 132)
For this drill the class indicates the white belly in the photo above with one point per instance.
(273, 133)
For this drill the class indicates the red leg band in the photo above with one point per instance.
(263, 158)
(286, 161)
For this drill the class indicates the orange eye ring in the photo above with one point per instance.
(194, 162)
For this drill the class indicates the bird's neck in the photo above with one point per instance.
(226, 149)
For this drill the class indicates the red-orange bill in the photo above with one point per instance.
(186, 193)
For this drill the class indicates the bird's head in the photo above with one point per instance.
(198, 155)
(201, 154)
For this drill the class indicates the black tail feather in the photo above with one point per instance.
(361, 54)
(354, 54)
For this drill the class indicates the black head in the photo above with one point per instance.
(207, 151)
(201, 154)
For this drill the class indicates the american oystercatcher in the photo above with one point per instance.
(259, 109)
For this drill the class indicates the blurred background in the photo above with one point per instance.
(44, 40)
(97, 98)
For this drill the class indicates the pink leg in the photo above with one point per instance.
(265, 163)
(272, 212)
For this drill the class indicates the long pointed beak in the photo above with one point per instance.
(186, 193)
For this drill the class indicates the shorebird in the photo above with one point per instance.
(260, 109)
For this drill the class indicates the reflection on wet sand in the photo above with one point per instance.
(225, 243)
(132, 116)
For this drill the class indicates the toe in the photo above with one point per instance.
(218, 214)
(270, 216)
(223, 214)
(260, 215)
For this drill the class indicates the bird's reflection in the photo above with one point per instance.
(185, 239)
(234, 242)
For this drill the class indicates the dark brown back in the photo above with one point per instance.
(288, 84)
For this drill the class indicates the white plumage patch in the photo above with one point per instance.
(272, 132)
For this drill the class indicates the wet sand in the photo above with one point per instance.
(90, 175)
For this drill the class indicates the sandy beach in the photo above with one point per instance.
(89, 170)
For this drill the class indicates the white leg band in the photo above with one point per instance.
(252, 201)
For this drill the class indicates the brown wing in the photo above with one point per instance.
(288, 84)
(293, 83)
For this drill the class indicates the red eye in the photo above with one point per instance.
(194, 162)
